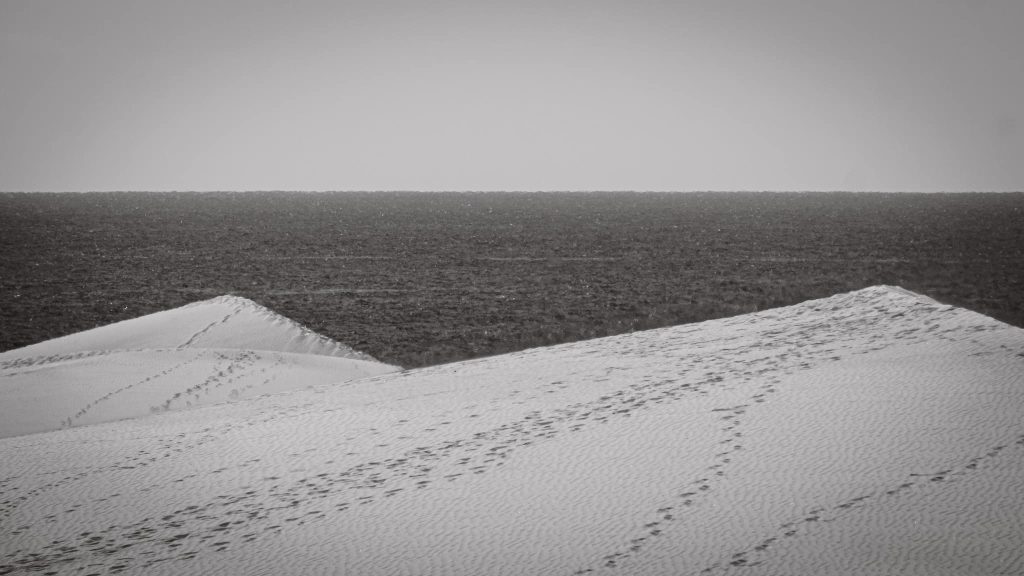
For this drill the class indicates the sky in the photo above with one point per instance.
(886, 95)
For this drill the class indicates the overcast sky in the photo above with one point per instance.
(512, 95)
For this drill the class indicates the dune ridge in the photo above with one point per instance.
(874, 432)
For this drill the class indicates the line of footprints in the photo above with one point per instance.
(690, 493)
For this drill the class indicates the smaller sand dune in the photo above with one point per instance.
(219, 350)
(221, 322)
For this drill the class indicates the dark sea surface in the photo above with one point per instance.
(425, 278)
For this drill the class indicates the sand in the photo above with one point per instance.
(875, 432)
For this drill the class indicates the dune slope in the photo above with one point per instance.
(875, 432)
(218, 350)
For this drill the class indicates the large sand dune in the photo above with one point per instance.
(876, 432)
(218, 350)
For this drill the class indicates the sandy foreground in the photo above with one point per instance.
(875, 432)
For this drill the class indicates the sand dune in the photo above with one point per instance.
(876, 432)
(218, 350)
(222, 322)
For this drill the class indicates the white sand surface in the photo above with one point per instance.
(876, 432)
(218, 350)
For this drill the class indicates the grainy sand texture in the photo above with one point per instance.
(874, 432)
